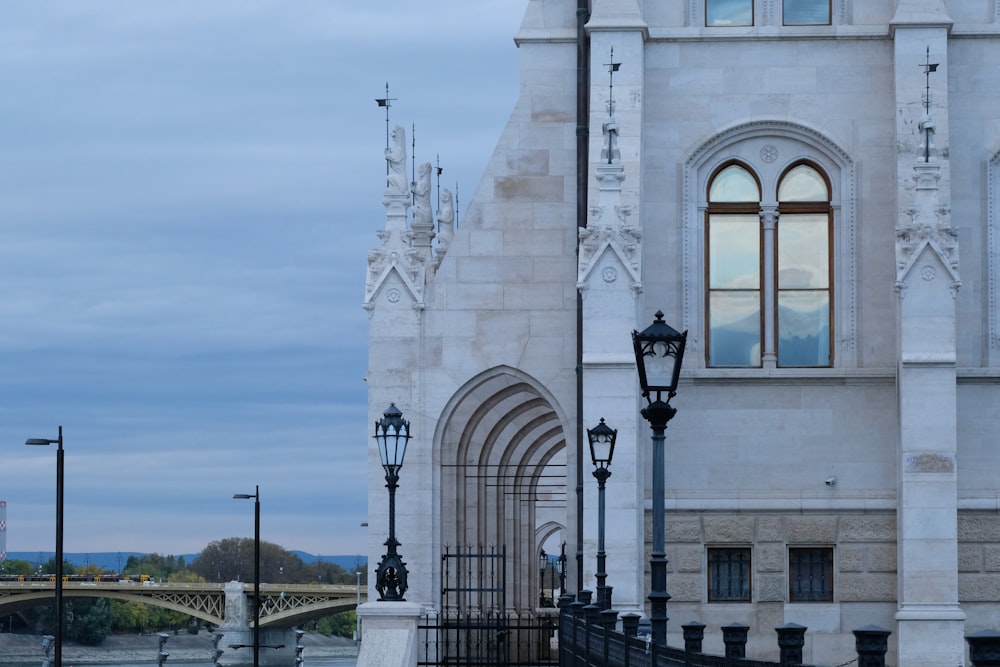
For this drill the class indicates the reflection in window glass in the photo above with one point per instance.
(803, 256)
(806, 12)
(734, 184)
(804, 328)
(734, 252)
(728, 12)
(803, 183)
(734, 288)
(734, 328)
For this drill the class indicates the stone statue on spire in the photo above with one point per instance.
(395, 156)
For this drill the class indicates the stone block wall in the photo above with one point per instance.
(864, 548)
(979, 568)
(864, 551)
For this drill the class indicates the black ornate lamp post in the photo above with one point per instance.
(57, 654)
(392, 432)
(659, 352)
(256, 570)
(602, 447)
(562, 568)
(543, 564)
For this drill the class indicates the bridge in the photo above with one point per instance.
(224, 605)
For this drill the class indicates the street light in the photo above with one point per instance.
(59, 539)
(543, 562)
(659, 352)
(357, 615)
(392, 433)
(602, 447)
(256, 570)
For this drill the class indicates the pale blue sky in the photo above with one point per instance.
(188, 192)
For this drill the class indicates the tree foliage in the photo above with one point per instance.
(343, 624)
(232, 559)
(90, 620)
(161, 568)
(17, 566)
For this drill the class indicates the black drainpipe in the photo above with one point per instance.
(582, 165)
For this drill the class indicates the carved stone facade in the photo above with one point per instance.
(504, 340)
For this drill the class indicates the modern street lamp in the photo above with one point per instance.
(256, 570)
(659, 352)
(357, 616)
(392, 433)
(602, 447)
(59, 540)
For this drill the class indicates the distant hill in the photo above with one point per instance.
(114, 561)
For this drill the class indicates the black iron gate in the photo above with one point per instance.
(474, 628)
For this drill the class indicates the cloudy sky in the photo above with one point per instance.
(188, 191)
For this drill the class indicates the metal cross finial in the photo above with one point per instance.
(612, 68)
(386, 102)
(928, 127)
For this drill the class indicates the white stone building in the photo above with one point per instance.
(790, 181)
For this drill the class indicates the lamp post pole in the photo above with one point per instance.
(256, 569)
(543, 561)
(57, 657)
(659, 353)
(602, 448)
(357, 616)
(658, 414)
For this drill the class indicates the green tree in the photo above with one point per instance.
(90, 620)
(232, 559)
(339, 625)
(161, 568)
(17, 566)
(49, 567)
(129, 616)
(325, 572)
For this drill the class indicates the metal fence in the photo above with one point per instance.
(487, 640)
(589, 637)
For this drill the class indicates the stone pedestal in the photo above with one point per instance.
(389, 634)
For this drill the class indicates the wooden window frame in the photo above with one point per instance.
(768, 257)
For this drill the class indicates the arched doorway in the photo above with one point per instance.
(503, 474)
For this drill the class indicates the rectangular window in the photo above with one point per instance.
(729, 12)
(734, 289)
(806, 12)
(729, 574)
(803, 289)
(810, 574)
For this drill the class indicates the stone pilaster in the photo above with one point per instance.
(930, 621)
(610, 277)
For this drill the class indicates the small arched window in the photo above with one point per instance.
(769, 284)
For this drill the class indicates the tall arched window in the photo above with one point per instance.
(768, 269)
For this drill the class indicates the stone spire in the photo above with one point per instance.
(396, 261)
(608, 228)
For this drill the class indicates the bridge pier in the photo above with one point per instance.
(237, 630)
(284, 637)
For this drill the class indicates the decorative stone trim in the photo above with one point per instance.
(813, 145)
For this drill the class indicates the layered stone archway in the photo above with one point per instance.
(502, 453)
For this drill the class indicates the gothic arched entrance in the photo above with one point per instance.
(503, 474)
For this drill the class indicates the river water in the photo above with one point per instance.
(314, 662)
